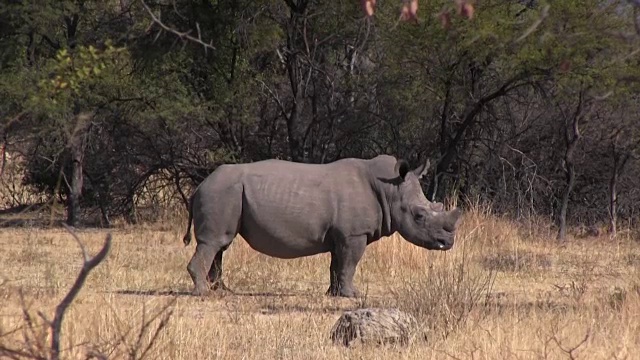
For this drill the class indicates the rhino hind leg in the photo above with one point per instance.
(344, 261)
(215, 273)
(214, 228)
(199, 265)
(203, 267)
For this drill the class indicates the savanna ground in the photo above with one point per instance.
(505, 291)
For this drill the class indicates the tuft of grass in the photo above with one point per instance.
(445, 297)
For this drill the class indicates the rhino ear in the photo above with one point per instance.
(401, 168)
(422, 170)
(437, 207)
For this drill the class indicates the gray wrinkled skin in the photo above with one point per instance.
(289, 210)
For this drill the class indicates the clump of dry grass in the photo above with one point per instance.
(444, 297)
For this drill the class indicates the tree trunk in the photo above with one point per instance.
(77, 143)
(75, 185)
(619, 162)
(562, 219)
(296, 130)
(572, 137)
(101, 194)
(103, 211)
(294, 133)
(432, 191)
(131, 212)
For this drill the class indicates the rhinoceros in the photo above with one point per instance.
(289, 210)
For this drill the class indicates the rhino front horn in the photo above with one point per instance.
(454, 217)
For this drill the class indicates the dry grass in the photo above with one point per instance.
(502, 293)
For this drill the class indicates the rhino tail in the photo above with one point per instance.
(187, 237)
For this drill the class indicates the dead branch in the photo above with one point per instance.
(36, 329)
(3, 156)
(164, 314)
(183, 35)
(4, 131)
(535, 25)
(88, 265)
(570, 351)
(33, 344)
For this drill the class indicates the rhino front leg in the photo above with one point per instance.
(344, 259)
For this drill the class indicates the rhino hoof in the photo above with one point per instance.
(221, 288)
(199, 291)
(346, 293)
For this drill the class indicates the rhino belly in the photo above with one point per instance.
(281, 244)
(282, 231)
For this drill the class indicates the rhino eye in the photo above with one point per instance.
(419, 215)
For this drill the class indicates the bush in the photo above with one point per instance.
(445, 297)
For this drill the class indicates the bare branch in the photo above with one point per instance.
(88, 265)
(182, 35)
(277, 100)
(635, 18)
(11, 353)
(603, 96)
(571, 351)
(535, 25)
(85, 257)
(3, 156)
(165, 313)
(3, 148)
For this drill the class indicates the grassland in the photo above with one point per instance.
(505, 291)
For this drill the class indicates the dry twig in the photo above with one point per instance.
(184, 35)
(33, 345)
(88, 265)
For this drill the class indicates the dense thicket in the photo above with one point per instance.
(529, 105)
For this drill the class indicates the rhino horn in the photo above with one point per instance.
(453, 219)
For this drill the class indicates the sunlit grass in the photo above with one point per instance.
(500, 293)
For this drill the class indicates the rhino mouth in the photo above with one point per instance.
(443, 244)
(444, 237)
(444, 241)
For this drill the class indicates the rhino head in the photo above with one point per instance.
(416, 219)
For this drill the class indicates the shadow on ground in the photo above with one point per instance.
(152, 292)
(188, 293)
(273, 309)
